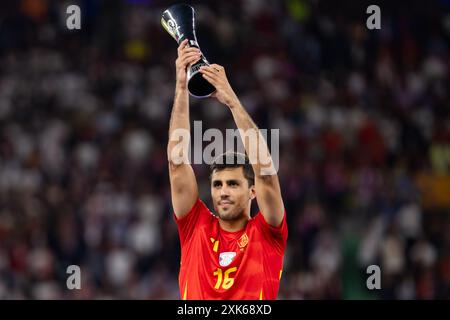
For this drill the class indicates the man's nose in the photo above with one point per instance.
(224, 192)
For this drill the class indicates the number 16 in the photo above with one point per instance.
(227, 281)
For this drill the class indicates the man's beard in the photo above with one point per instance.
(231, 214)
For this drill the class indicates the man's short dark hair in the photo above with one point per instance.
(231, 159)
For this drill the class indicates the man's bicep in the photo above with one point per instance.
(270, 202)
(183, 187)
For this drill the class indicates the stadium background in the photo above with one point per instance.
(364, 134)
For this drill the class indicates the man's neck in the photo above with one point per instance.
(233, 226)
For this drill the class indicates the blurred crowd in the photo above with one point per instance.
(364, 143)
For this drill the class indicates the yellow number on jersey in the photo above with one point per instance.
(227, 281)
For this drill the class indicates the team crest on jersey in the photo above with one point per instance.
(243, 241)
(225, 258)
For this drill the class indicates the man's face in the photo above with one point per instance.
(230, 193)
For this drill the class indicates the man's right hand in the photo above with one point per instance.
(186, 56)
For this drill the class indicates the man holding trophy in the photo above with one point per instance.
(229, 254)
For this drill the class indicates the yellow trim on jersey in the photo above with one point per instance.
(216, 244)
(260, 295)
(185, 292)
(281, 271)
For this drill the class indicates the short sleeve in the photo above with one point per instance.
(195, 218)
(276, 236)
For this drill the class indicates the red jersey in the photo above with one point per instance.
(217, 264)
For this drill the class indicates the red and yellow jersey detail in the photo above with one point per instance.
(242, 265)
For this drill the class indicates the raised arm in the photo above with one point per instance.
(267, 186)
(183, 184)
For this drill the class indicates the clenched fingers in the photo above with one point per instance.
(190, 56)
(182, 45)
(186, 51)
(210, 75)
(210, 71)
(183, 48)
(217, 67)
(187, 59)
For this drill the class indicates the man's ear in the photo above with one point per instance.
(252, 192)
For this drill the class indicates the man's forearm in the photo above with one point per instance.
(179, 127)
(254, 143)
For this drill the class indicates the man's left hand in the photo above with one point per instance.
(215, 74)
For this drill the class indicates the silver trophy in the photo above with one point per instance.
(178, 20)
